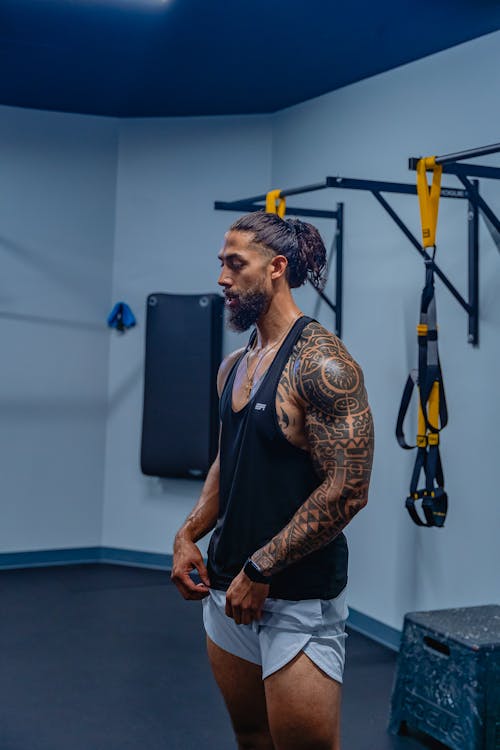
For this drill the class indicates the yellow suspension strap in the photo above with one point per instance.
(275, 203)
(432, 409)
(428, 198)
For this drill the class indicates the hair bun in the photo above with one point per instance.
(311, 254)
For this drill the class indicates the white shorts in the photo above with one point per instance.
(314, 626)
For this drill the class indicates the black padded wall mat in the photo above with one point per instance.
(180, 415)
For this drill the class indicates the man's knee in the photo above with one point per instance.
(254, 739)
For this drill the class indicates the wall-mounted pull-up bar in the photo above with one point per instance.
(454, 164)
(450, 165)
(252, 204)
(376, 187)
(471, 153)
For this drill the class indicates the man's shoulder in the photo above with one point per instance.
(318, 342)
(324, 370)
(226, 366)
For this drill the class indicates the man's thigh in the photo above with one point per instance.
(303, 706)
(240, 682)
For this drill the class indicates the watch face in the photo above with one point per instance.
(253, 572)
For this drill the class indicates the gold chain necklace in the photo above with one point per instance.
(265, 351)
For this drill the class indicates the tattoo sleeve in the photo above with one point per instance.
(339, 431)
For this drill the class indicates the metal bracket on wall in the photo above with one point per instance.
(256, 203)
(377, 187)
(477, 204)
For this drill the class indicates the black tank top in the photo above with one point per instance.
(264, 479)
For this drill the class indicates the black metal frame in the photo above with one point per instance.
(376, 187)
(470, 192)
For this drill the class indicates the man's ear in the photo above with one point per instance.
(279, 263)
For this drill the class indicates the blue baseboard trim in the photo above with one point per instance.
(79, 555)
(43, 558)
(136, 559)
(361, 623)
(374, 629)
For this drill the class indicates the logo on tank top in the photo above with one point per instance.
(260, 407)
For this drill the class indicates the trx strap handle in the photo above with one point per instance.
(275, 204)
(428, 197)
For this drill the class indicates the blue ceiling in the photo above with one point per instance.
(147, 58)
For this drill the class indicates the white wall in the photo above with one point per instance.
(57, 196)
(441, 104)
(167, 239)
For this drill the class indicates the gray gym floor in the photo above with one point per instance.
(103, 657)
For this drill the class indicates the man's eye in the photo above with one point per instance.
(233, 265)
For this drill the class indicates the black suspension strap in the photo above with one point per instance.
(432, 409)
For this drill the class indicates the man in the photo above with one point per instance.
(293, 468)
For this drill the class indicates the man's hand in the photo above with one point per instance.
(245, 599)
(187, 557)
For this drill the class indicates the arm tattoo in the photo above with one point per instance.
(339, 431)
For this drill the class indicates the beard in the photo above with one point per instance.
(250, 306)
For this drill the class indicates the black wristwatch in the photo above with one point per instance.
(252, 571)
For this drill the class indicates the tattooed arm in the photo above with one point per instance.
(339, 432)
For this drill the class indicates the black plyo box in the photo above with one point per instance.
(448, 677)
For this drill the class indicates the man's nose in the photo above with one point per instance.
(224, 279)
